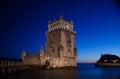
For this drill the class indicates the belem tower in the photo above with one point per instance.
(60, 46)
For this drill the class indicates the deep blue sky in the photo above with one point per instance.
(23, 24)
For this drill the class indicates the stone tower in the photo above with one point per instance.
(60, 43)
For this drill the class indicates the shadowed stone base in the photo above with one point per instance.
(63, 67)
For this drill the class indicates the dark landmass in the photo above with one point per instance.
(108, 60)
(9, 59)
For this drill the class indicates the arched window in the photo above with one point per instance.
(57, 27)
(53, 50)
(64, 27)
(68, 50)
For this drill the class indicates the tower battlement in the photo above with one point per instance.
(60, 23)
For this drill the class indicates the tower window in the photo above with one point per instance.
(68, 50)
(53, 50)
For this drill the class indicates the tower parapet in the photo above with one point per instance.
(60, 23)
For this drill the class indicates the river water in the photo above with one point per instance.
(84, 71)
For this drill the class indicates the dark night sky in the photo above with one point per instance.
(23, 24)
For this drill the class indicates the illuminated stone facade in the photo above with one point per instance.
(60, 46)
(60, 43)
(34, 59)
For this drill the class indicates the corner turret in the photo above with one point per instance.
(23, 54)
(41, 52)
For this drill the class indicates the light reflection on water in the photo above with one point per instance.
(84, 71)
(89, 71)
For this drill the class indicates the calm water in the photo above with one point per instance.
(84, 71)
